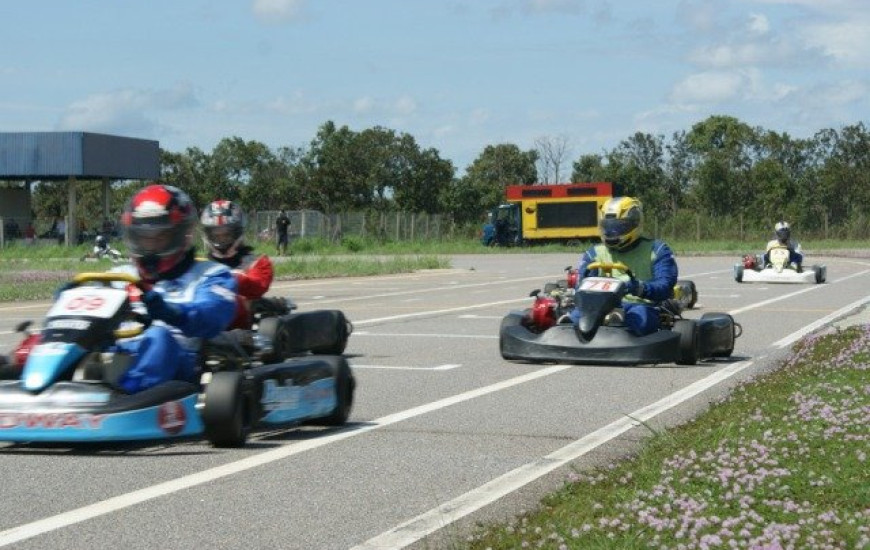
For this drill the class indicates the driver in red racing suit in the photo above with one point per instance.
(223, 224)
(650, 261)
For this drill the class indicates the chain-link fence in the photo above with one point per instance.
(394, 226)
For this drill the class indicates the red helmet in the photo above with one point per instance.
(159, 223)
(223, 224)
(749, 261)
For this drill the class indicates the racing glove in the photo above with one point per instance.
(160, 309)
(633, 287)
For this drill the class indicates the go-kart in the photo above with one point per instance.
(602, 337)
(68, 390)
(778, 269)
(102, 250)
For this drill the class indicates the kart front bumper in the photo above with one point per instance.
(563, 344)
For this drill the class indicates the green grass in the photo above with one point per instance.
(782, 463)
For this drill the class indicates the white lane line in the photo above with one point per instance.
(428, 522)
(432, 312)
(425, 335)
(446, 286)
(473, 316)
(791, 294)
(392, 367)
(795, 336)
(45, 525)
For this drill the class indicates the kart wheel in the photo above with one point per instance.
(738, 273)
(271, 328)
(693, 294)
(344, 388)
(819, 273)
(343, 329)
(690, 341)
(226, 415)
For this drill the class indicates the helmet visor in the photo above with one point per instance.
(614, 229)
(157, 241)
(221, 237)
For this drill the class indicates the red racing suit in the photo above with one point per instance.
(254, 276)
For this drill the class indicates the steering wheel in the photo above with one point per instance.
(143, 320)
(607, 268)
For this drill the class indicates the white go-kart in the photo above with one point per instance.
(777, 270)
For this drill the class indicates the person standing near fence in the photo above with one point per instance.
(282, 228)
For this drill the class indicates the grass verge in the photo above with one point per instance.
(781, 463)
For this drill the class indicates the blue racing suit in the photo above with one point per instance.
(199, 303)
(655, 270)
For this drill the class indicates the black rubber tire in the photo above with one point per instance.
(817, 271)
(345, 385)
(343, 330)
(738, 273)
(694, 293)
(226, 414)
(271, 328)
(689, 343)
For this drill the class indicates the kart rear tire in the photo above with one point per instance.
(343, 330)
(344, 390)
(690, 341)
(819, 273)
(271, 328)
(738, 273)
(226, 414)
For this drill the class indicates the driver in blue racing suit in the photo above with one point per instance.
(650, 261)
(188, 299)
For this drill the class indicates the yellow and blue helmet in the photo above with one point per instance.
(621, 219)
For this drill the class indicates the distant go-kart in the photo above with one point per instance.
(602, 337)
(777, 270)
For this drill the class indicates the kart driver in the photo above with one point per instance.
(223, 224)
(650, 261)
(783, 238)
(187, 299)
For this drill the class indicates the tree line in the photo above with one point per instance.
(722, 169)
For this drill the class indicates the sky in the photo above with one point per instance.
(456, 75)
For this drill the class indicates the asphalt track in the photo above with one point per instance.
(444, 433)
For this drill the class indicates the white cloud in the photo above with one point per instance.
(277, 11)
(758, 24)
(363, 105)
(404, 106)
(129, 111)
(847, 41)
(708, 87)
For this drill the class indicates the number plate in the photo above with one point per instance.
(86, 301)
(600, 284)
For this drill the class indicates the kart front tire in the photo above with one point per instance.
(226, 415)
(738, 273)
(690, 341)
(819, 274)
